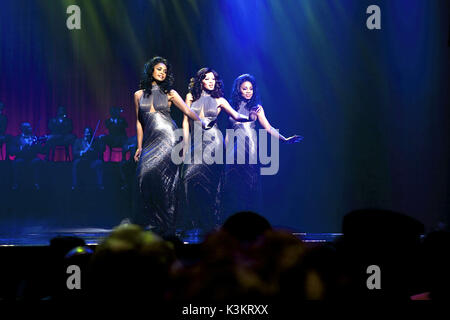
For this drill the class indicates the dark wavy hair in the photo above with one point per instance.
(147, 76)
(236, 96)
(196, 86)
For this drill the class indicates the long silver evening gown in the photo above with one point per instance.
(201, 174)
(157, 175)
(242, 183)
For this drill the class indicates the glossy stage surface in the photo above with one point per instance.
(36, 236)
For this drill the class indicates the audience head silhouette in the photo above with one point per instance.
(246, 226)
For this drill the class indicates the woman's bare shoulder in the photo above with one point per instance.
(138, 93)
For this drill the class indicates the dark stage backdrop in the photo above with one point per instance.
(371, 104)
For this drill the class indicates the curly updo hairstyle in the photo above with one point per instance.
(236, 96)
(147, 76)
(196, 85)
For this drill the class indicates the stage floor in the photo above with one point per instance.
(92, 236)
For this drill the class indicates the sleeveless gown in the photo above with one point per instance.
(242, 184)
(157, 175)
(201, 175)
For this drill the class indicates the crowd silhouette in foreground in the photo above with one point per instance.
(248, 261)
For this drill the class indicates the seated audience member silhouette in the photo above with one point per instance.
(325, 271)
(117, 135)
(385, 239)
(267, 269)
(4, 139)
(87, 153)
(26, 147)
(79, 256)
(131, 266)
(60, 128)
(436, 266)
(244, 261)
(279, 260)
(246, 226)
(218, 275)
(65, 251)
(48, 280)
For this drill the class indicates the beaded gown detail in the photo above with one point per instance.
(201, 174)
(157, 174)
(242, 184)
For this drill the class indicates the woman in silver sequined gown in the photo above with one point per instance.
(157, 175)
(203, 163)
(242, 183)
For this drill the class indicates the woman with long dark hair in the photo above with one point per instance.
(242, 184)
(157, 174)
(202, 170)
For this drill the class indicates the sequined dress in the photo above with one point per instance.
(242, 183)
(201, 172)
(157, 174)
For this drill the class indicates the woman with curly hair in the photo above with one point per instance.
(157, 174)
(242, 186)
(202, 169)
